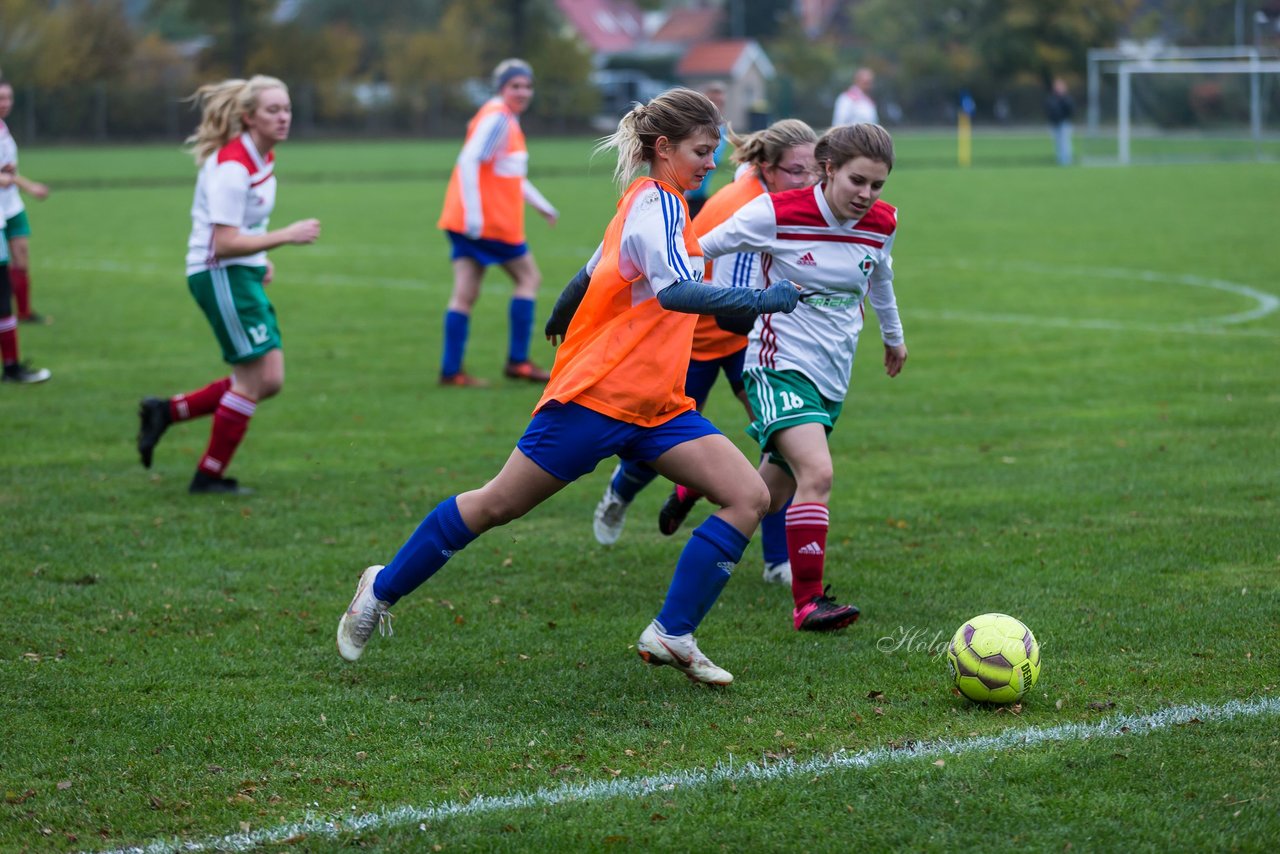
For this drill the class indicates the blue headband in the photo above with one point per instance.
(514, 71)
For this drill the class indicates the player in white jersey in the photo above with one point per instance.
(227, 267)
(835, 241)
(14, 370)
(13, 213)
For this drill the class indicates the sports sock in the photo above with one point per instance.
(230, 421)
(193, 404)
(9, 339)
(807, 526)
(456, 328)
(21, 281)
(702, 571)
(441, 535)
(773, 536)
(630, 477)
(520, 317)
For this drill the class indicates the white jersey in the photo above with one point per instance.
(10, 197)
(837, 264)
(236, 186)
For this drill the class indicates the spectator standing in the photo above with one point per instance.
(855, 105)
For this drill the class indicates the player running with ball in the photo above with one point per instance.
(835, 240)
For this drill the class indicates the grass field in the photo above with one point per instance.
(1085, 436)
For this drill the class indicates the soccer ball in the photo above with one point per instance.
(994, 659)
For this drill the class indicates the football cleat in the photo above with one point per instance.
(681, 652)
(823, 614)
(206, 484)
(153, 415)
(462, 379)
(778, 573)
(365, 613)
(526, 370)
(610, 516)
(675, 509)
(18, 372)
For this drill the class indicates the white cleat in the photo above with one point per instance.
(778, 573)
(681, 652)
(610, 516)
(365, 613)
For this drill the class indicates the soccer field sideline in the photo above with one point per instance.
(1116, 726)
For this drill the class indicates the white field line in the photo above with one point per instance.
(1117, 726)
(1264, 303)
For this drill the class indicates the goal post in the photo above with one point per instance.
(1254, 68)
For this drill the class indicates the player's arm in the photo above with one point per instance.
(570, 298)
(489, 138)
(539, 201)
(32, 188)
(880, 293)
(230, 242)
(227, 193)
(653, 239)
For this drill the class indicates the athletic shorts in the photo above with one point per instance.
(567, 440)
(17, 226)
(782, 399)
(484, 252)
(237, 307)
(703, 372)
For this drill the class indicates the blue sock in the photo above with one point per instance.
(439, 536)
(631, 477)
(520, 317)
(773, 536)
(701, 573)
(456, 327)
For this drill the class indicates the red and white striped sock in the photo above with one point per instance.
(230, 421)
(21, 281)
(193, 404)
(807, 526)
(9, 339)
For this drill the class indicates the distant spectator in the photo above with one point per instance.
(1058, 107)
(854, 105)
(715, 92)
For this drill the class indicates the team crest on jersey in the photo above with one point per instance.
(867, 265)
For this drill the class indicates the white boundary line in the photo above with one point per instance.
(1265, 303)
(1113, 727)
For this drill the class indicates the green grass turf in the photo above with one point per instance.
(1076, 440)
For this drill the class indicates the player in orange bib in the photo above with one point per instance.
(617, 389)
(483, 218)
(777, 158)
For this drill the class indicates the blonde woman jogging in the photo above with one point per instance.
(241, 123)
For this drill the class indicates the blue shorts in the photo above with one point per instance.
(568, 440)
(484, 252)
(702, 375)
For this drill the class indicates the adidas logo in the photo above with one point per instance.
(806, 260)
(726, 566)
(812, 549)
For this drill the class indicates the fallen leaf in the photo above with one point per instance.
(875, 695)
(63, 785)
(941, 763)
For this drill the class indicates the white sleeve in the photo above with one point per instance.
(539, 201)
(595, 259)
(228, 193)
(880, 292)
(652, 243)
(753, 228)
(488, 139)
(738, 270)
